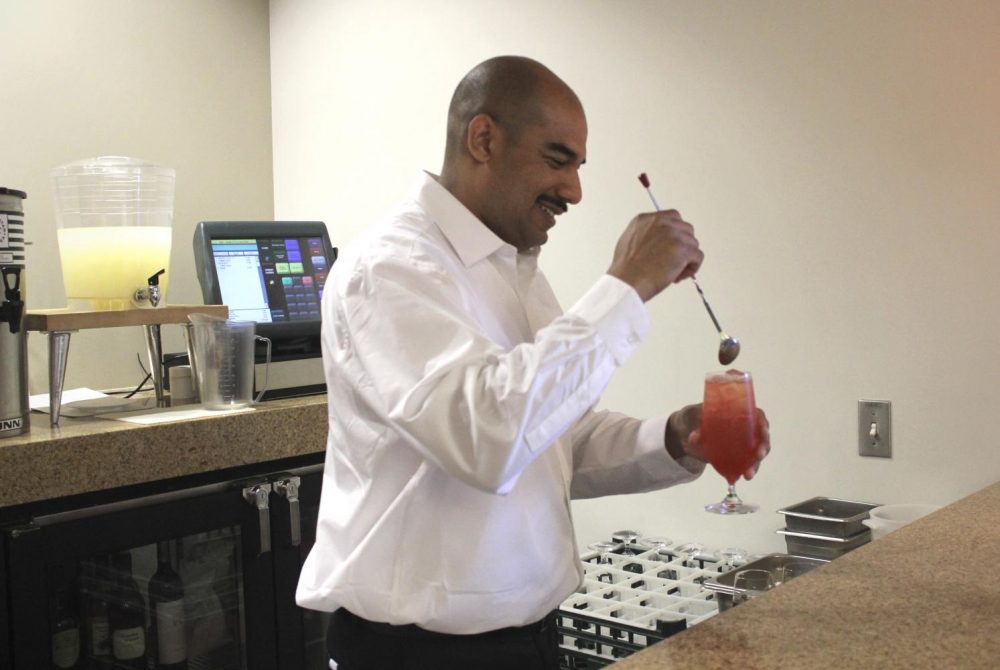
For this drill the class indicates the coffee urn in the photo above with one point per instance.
(13, 340)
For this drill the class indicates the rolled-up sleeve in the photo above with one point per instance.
(614, 453)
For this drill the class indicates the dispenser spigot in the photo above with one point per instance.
(150, 292)
(11, 307)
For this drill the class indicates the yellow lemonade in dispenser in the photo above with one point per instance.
(102, 267)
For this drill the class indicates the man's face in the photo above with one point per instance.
(535, 174)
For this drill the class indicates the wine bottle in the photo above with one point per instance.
(166, 603)
(95, 585)
(127, 618)
(65, 628)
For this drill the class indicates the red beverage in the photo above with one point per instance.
(729, 423)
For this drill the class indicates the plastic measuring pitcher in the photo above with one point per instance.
(224, 362)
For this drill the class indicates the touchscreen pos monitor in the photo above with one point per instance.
(269, 272)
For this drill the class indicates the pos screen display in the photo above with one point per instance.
(270, 272)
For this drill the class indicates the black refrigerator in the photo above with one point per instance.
(201, 576)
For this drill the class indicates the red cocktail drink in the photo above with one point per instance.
(728, 432)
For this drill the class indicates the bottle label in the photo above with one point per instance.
(128, 643)
(66, 648)
(170, 632)
(100, 641)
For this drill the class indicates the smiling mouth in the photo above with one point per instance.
(551, 208)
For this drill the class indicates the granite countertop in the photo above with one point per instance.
(925, 596)
(93, 454)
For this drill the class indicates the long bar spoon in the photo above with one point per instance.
(729, 347)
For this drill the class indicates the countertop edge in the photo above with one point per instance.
(87, 455)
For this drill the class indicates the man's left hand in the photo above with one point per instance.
(683, 437)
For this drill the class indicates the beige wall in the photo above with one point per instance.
(183, 83)
(839, 160)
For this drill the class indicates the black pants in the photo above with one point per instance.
(357, 644)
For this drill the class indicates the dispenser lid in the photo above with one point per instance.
(13, 191)
(112, 165)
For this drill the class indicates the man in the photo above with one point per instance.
(461, 395)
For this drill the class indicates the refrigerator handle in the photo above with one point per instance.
(257, 495)
(289, 488)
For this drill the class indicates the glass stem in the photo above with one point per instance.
(731, 497)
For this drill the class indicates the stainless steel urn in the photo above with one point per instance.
(13, 339)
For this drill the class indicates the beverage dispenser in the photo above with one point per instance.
(13, 341)
(115, 217)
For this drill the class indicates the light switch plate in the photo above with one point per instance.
(875, 428)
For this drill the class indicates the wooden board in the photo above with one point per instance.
(49, 320)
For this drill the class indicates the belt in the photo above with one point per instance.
(537, 628)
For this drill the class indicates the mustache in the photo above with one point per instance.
(556, 203)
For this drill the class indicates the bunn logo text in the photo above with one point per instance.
(11, 424)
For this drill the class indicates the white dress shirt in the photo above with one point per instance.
(461, 423)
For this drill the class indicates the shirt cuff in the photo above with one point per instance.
(617, 313)
(652, 437)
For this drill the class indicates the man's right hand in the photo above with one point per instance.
(656, 250)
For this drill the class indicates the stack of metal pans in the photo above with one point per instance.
(825, 527)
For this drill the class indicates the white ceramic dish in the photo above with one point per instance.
(887, 518)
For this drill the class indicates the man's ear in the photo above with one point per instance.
(481, 137)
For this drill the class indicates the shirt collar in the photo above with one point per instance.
(468, 236)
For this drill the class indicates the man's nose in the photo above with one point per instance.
(572, 191)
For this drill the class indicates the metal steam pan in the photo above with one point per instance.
(830, 517)
(822, 546)
(724, 586)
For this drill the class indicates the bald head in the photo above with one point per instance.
(517, 136)
(510, 89)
